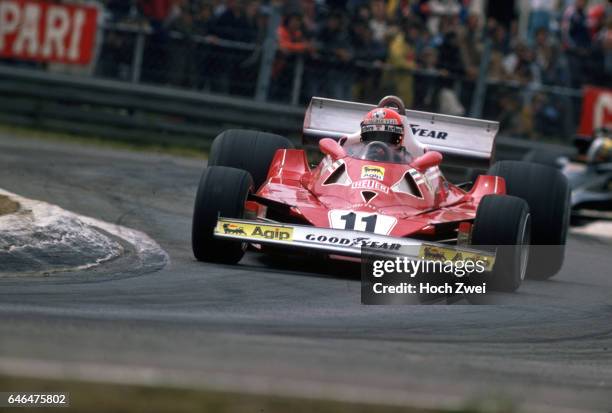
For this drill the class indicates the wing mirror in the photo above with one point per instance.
(332, 148)
(429, 160)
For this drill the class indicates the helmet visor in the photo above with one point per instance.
(390, 134)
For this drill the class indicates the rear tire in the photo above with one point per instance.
(543, 158)
(222, 192)
(503, 223)
(547, 193)
(249, 150)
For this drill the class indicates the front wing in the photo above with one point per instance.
(342, 242)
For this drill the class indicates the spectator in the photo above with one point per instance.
(378, 23)
(401, 62)
(232, 25)
(311, 17)
(520, 65)
(470, 45)
(547, 58)
(116, 49)
(596, 18)
(204, 58)
(334, 48)
(499, 37)
(540, 14)
(291, 39)
(291, 43)
(576, 33)
(180, 46)
(497, 71)
(577, 41)
(426, 85)
(155, 65)
(428, 61)
(451, 59)
(367, 49)
(421, 9)
(450, 62)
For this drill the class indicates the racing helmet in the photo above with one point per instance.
(600, 151)
(383, 125)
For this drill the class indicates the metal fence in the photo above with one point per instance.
(134, 53)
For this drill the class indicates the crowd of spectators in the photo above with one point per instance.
(429, 52)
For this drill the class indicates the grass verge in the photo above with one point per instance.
(103, 398)
(110, 143)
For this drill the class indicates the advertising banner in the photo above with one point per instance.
(46, 31)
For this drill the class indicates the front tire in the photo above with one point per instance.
(547, 193)
(503, 223)
(222, 192)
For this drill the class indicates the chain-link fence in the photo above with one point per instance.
(264, 69)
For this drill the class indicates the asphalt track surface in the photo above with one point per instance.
(292, 328)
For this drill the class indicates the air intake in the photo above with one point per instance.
(408, 186)
(338, 177)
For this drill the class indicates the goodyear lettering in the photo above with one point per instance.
(427, 133)
(353, 242)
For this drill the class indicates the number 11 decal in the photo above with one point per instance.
(361, 221)
(369, 221)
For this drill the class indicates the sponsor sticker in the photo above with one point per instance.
(264, 232)
(373, 171)
(371, 185)
(48, 31)
(437, 253)
(352, 242)
(417, 130)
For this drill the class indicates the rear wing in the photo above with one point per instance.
(462, 141)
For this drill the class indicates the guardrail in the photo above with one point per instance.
(152, 114)
(136, 112)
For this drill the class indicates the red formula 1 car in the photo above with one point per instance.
(381, 187)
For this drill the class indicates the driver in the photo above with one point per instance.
(600, 150)
(383, 125)
(382, 130)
